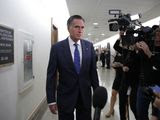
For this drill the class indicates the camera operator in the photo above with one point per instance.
(141, 65)
(129, 77)
(156, 104)
(149, 60)
(117, 65)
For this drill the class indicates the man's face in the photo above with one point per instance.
(157, 39)
(76, 29)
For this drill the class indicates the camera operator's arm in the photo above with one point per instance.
(143, 46)
(117, 62)
(117, 65)
(155, 58)
(117, 46)
(130, 60)
(125, 68)
(126, 63)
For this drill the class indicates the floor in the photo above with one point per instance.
(106, 77)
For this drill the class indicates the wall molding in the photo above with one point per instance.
(39, 110)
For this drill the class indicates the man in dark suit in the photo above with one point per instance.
(75, 61)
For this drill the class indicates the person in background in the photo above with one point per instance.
(102, 57)
(117, 65)
(129, 77)
(108, 56)
(97, 55)
(75, 61)
(156, 70)
(149, 59)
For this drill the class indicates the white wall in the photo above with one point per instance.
(33, 17)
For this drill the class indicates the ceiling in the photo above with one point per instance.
(97, 11)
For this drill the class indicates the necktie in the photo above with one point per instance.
(77, 58)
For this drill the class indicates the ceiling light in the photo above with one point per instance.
(102, 34)
(89, 34)
(95, 23)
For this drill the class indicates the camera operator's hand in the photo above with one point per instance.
(143, 46)
(117, 64)
(157, 103)
(125, 68)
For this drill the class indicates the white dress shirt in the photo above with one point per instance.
(72, 48)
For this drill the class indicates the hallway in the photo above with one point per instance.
(106, 77)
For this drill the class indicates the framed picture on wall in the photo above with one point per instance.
(25, 60)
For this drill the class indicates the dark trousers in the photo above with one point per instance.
(82, 112)
(142, 106)
(108, 62)
(103, 63)
(123, 97)
(133, 100)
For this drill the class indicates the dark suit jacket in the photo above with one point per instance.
(70, 83)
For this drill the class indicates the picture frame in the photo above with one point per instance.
(25, 60)
(6, 45)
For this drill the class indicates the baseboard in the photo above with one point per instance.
(39, 110)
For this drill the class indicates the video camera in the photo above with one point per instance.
(123, 21)
(143, 34)
(128, 23)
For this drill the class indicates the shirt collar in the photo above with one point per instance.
(72, 42)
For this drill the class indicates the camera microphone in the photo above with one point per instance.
(99, 100)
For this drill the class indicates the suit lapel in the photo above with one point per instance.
(84, 50)
(67, 53)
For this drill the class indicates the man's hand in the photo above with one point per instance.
(53, 108)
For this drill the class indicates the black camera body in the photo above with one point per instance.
(125, 22)
(121, 23)
(143, 34)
